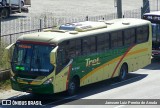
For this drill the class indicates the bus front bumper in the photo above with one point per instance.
(38, 89)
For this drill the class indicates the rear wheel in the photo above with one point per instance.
(4, 13)
(123, 72)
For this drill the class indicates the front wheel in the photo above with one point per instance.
(123, 72)
(72, 87)
(4, 2)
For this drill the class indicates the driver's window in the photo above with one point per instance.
(62, 56)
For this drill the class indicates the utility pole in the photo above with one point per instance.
(157, 5)
(119, 8)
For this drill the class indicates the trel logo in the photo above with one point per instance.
(92, 62)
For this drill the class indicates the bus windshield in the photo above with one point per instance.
(32, 59)
(155, 36)
(156, 32)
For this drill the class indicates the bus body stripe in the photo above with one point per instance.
(111, 62)
(100, 67)
(121, 60)
(69, 70)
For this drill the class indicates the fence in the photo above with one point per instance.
(154, 5)
(12, 29)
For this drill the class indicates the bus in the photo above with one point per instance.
(154, 17)
(77, 54)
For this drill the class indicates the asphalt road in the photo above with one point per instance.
(142, 84)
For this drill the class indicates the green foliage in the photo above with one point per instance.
(3, 60)
(5, 85)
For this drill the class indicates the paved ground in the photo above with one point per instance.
(41, 9)
(60, 9)
(73, 8)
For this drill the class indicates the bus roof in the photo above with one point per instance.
(81, 29)
(153, 13)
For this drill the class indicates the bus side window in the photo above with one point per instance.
(72, 48)
(78, 47)
(102, 42)
(71, 52)
(142, 34)
(146, 33)
(116, 39)
(129, 36)
(88, 45)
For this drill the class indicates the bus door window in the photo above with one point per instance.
(62, 56)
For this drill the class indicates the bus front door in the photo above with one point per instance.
(62, 70)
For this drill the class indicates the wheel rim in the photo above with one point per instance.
(123, 73)
(3, 2)
(72, 86)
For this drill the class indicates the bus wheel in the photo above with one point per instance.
(72, 87)
(4, 2)
(123, 72)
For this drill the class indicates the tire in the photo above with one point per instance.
(72, 87)
(4, 3)
(123, 72)
(4, 13)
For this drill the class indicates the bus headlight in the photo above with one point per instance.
(48, 81)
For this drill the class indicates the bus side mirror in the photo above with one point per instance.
(7, 52)
(53, 56)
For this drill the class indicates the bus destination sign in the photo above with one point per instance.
(151, 17)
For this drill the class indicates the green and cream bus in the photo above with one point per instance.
(77, 54)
